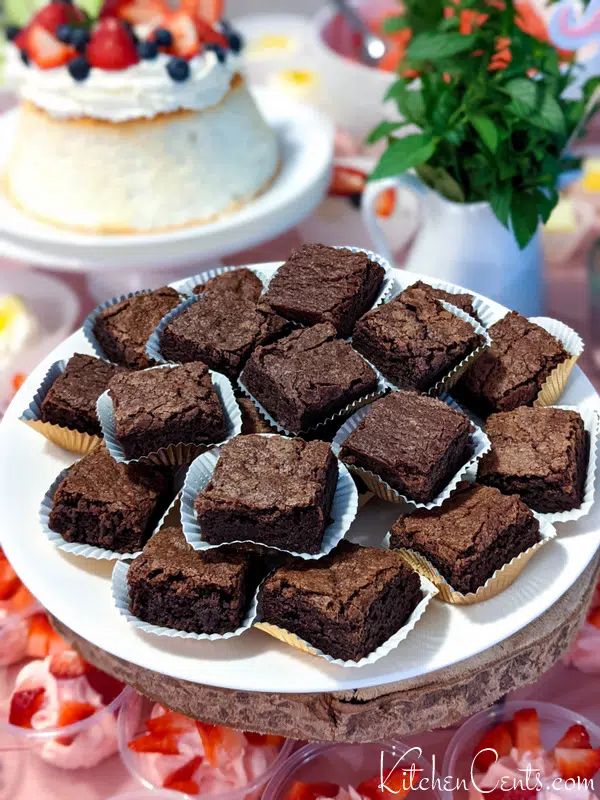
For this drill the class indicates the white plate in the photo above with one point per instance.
(78, 592)
(306, 140)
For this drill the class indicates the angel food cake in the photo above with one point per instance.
(137, 121)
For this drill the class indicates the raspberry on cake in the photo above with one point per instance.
(146, 96)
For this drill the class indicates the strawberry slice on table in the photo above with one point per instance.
(111, 46)
(398, 784)
(107, 687)
(497, 739)
(310, 791)
(42, 639)
(70, 712)
(347, 181)
(264, 739)
(46, 50)
(24, 704)
(526, 731)
(163, 743)
(183, 777)
(170, 722)
(575, 738)
(9, 580)
(574, 763)
(210, 11)
(67, 665)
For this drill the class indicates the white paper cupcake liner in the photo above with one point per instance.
(178, 452)
(555, 383)
(120, 593)
(343, 509)
(502, 578)
(429, 591)
(153, 347)
(485, 313)
(388, 279)
(479, 440)
(188, 284)
(75, 548)
(68, 438)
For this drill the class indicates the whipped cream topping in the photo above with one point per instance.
(141, 91)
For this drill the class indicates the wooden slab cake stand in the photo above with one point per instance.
(436, 700)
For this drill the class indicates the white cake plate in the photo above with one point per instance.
(77, 591)
(124, 262)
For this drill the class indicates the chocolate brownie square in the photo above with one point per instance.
(307, 376)
(269, 490)
(123, 329)
(346, 604)
(512, 371)
(414, 443)
(413, 340)
(221, 330)
(105, 504)
(158, 407)
(471, 535)
(461, 300)
(71, 400)
(173, 585)
(540, 454)
(325, 284)
(242, 282)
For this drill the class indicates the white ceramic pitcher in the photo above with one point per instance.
(461, 243)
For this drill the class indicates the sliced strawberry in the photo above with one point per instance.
(169, 722)
(572, 763)
(137, 12)
(264, 739)
(185, 787)
(183, 775)
(398, 784)
(210, 11)
(186, 42)
(594, 618)
(166, 744)
(386, 202)
(20, 40)
(499, 740)
(24, 704)
(111, 46)
(55, 14)
(575, 738)
(310, 791)
(70, 712)
(42, 638)
(9, 580)
(526, 731)
(21, 600)
(347, 181)
(208, 35)
(221, 745)
(66, 665)
(46, 50)
(107, 687)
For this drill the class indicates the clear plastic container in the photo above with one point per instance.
(349, 765)
(554, 721)
(131, 724)
(92, 739)
(15, 611)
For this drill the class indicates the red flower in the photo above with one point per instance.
(469, 20)
(502, 55)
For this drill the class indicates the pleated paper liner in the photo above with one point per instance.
(188, 284)
(153, 346)
(120, 593)
(429, 591)
(379, 487)
(176, 453)
(67, 438)
(499, 581)
(555, 383)
(485, 313)
(343, 509)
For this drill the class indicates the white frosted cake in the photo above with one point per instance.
(121, 132)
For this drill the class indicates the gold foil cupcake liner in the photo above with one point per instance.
(67, 438)
(497, 583)
(428, 590)
(555, 383)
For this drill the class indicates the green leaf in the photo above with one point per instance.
(402, 154)
(546, 201)
(487, 130)
(394, 24)
(432, 46)
(382, 130)
(412, 105)
(524, 95)
(500, 199)
(523, 217)
(550, 115)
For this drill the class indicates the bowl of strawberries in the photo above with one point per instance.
(523, 751)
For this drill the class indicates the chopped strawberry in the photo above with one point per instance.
(42, 638)
(499, 740)
(166, 744)
(347, 181)
(70, 712)
(386, 202)
(594, 618)
(310, 791)
(20, 39)
(210, 11)
(57, 13)
(24, 704)
(186, 42)
(9, 580)
(67, 665)
(21, 600)
(169, 722)
(575, 738)
(526, 731)
(107, 687)
(136, 12)
(46, 50)
(264, 739)
(398, 784)
(183, 775)
(572, 763)
(17, 380)
(111, 46)
(221, 744)
(208, 35)
(185, 787)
